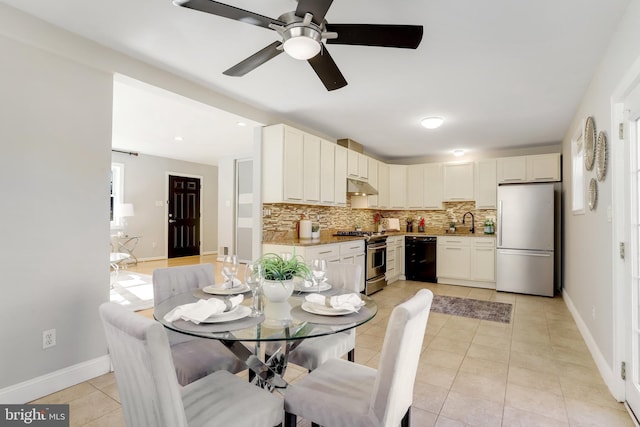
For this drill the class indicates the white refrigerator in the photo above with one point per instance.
(526, 238)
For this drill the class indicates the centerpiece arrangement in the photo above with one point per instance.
(278, 273)
(421, 223)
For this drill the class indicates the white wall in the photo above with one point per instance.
(588, 239)
(145, 183)
(56, 140)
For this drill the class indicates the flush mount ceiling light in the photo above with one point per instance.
(178, 138)
(459, 152)
(432, 122)
(241, 124)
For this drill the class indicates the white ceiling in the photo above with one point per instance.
(503, 73)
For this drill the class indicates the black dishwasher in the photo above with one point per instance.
(420, 258)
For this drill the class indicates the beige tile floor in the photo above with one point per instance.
(535, 371)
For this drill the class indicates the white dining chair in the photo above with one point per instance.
(344, 394)
(150, 394)
(193, 357)
(313, 352)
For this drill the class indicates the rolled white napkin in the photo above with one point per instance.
(201, 310)
(351, 301)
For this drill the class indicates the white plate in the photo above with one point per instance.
(323, 310)
(217, 290)
(299, 287)
(239, 312)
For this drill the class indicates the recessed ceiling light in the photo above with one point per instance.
(432, 122)
(459, 152)
(242, 124)
(178, 138)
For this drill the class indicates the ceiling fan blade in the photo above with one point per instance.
(318, 8)
(226, 11)
(404, 36)
(327, 70)
(255, 60)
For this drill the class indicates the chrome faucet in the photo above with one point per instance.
(473, 222)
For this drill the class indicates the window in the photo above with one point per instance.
(577, 175)
(117, 176)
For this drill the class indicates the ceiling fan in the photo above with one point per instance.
(303, 32)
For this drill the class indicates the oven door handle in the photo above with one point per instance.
(376, 246)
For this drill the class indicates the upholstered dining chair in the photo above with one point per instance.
(313, 352)
(150, 394)
(193, 357)
(340, 393)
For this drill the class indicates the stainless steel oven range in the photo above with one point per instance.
(376, 259)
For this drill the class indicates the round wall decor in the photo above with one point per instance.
(601, 156)
(589, 143)
(593, 194)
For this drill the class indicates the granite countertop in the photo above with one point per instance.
(327, 236)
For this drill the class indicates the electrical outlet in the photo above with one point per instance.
(48, 338)
(154, 244)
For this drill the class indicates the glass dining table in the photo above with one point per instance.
(264, 342)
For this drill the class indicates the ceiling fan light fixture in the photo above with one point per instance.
(302, 42)
(432, 122)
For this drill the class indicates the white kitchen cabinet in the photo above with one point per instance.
(453, 258)
(466, 261)
(458, 181)
(397, 186)
(432, 187)
(391, 275)
(373, 181)
(357, 165)
(395, 258)
(535, 168)
(290, 165)
(329, 252)
(487, 184)
(340, 176)
(327, 172)
(383, 185)
(311, 169)
(483, 259)
(415, 185)
(543, 167)
(353, 252)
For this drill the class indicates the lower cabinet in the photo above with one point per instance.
(395, 258)
(351, 252)
(467, 261)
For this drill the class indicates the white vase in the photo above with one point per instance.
(277, 290)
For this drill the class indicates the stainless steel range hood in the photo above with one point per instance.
(360, 188)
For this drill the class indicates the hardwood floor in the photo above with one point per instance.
(534, 371)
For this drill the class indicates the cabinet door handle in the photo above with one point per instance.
(324, 252)
(453, 249)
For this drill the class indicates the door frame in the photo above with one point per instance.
(619, 149)
(166, 208)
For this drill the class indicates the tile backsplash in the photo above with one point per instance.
(283, 217)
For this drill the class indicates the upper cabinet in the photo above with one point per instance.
(537, 168)
(357, 165)
(340, 175)
(298, 167)
(383, 185)
(432, 187)
(487, 184)
(415, 186)
(458, 182)
(397, 186)
(373, 181)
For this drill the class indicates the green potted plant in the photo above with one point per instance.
(278, 273)
(315, 231)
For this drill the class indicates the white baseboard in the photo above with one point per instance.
(44, 385)
(605, 370)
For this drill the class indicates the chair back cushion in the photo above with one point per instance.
(393, 390)
(170, 281)
(343, 275)
(144, 370)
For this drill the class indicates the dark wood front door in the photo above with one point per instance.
(184, 216)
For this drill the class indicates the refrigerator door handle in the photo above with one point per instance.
(500, 223)
(525, 253)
